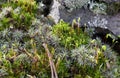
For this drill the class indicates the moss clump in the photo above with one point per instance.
(89, 59)
(26, 5)
(96, 58)
(18, 14)
(70, 37)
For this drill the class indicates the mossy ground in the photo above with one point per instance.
(73, 52)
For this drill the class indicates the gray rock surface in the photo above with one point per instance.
(111, 22)
(104, 21)
(55, 14)
(114, 24)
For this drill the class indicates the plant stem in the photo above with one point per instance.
(52, 66)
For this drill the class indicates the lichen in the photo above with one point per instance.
(98, 8)
(96, 21)
(75, 4)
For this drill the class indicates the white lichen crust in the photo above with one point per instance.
(75, 4)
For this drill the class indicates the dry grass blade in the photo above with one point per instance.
(52, 66)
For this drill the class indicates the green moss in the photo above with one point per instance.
(18, 14)
(70, 37)
(26, 5)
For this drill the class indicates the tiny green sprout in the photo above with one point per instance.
(88, 76)
(93, 41)
(118, 36)
(68, 39)
(85, 25)
(108, 35)
(4, 46)
(104, 47)
(73, 22)
(111, 36)
(78, 21)
(113, 40)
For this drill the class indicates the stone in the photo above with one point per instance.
(110, 22)
(54, 13)
(91, 19)
(114, 24)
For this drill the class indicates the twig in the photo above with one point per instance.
(26, 52)
(52, 66)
